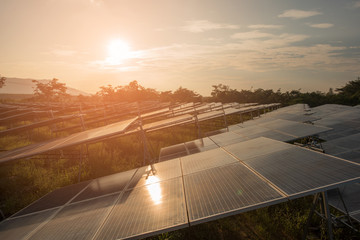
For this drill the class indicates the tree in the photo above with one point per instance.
(2, 81)
(50, 91)
(186, 95)
(350, 93)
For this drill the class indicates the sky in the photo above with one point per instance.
(164, 44)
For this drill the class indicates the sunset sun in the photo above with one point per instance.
(118, 52)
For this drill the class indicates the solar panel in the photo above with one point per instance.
(74, 139)
(209, 159)
(160, 171)
(256, 147)
(350, 194)
(227, 138)
(172, 152)
(328, 109)
(200, 145)
(183, 149)
(251, 130)
(297, 170)
(168, 122)
(332, 149)
(54, 199)
(77, 221)
(353, 156)
(106, 185)
(225, 190)
(210, 115)
(146, 210)
(344, 147)
(20, 227)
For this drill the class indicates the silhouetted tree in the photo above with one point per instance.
(350, 93)
(186, 95)
(50, 91)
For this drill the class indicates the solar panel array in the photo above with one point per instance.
(278, 129)
(342, 141)
(180, 192)
(74, 139)
(120, 128)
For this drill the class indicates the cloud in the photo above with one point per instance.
(199, 26)
(321, 25)
(265, 26)
(252, 51)
(298, 14)
(251, 35)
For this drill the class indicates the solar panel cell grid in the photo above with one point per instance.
(19, 228)
(255, 147)
(146, 210)
(174, 151)
(353, 156)
(54, 199)
(159, 171)
(209, 159)
(106, 185)
(299, 170)
(77, 221)
(225, 190)
(350, 194)
(200, 145)
(228, 138)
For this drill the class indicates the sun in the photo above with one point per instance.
(118, 52)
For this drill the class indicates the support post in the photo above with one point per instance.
(197, 125)
(225, 120)
(325, 214)
(311, 213)
(80, 163)
(346, 210)
(144, 140)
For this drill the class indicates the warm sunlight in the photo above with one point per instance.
(154, 189)
(118, 52)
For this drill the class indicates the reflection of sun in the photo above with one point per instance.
(153, 186)
(118, 52)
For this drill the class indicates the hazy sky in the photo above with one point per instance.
(164, 44)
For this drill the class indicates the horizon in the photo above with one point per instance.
(312, 46)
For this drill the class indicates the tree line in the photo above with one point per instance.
(347, 95)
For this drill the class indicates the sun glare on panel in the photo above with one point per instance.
(118, 52)
(153, 186)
